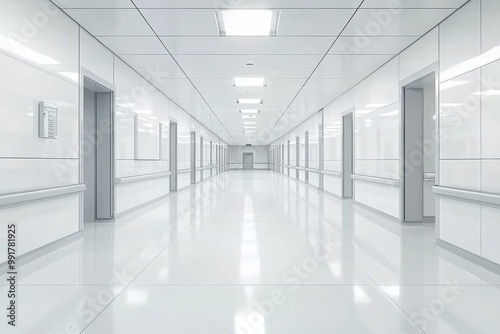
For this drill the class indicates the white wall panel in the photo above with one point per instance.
(460, 224)
(460, 117)
(461, 174)
(40, 223)
(333, 184)
(148, 139)
(314, 179)
(95, 57)
(130, 195)
(490, 230)
(19, 175)
(459, 40)
(261, 156)
(419, 55)
(124, 133)
(127, 168)
(490, 117)
(490, 176)
(184, 180)
(19, 97)
(333, 136)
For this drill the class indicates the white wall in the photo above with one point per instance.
(33, 59)
(260, 156)
(466, 45)
(333, 147)
(469, 122)
(43, 60)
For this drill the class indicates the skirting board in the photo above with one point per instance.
(476, 259)
(42, 251)
(139, 207)
(386, 215)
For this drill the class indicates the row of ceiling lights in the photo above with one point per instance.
(248, 23)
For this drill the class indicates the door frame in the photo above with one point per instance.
(86, 74)
(253, 160)
(432, 69)
(347, 113)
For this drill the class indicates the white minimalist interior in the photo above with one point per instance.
(257, 166)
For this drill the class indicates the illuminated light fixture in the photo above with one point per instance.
(452, 105)
(16, 47)
(488, 93)
(71, 75)
(250, 82)
(249, 123)
(144, 112)
(471, 64)
(363, 112)
(249, 111)
(375, 105)
(452, 83)
(250, 101)
(249, 127)
(391, 113)
(251, 22)
(248, 116)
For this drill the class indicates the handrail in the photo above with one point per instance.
(36, 195)
(375, 179)
(138, 178)
(467, 195)
(428, 177)
(313, 170)
(331, 173)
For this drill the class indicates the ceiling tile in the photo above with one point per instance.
(150, 61)
(344, 61)
(342, 72)
(94, 3)
(248, 4)
(250, 71)
(240, 60)
(111, 22)
(371, 45)
(134, 45)
(247, 45)
(313, 22)
(329, 85)
(163, 72)
(414, 4)
(408, 22)
(182, 22)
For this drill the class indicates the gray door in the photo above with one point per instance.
(98, 155)
(247, 160)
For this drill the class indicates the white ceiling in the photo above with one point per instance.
(311, 61)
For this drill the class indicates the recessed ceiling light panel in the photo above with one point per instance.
(249, 111)
(249, 116)
(252, 22)
(249, 82)
(250, 101)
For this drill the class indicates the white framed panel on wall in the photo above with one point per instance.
(165, 142)
(124, 133)
(147, 143)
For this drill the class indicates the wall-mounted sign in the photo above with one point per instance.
(47, 120)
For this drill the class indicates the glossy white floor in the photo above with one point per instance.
(255, 252)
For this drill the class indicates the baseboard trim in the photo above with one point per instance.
(140, 207)
(476, 259)
(42, 251)
(329, 193)
(372, 209)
